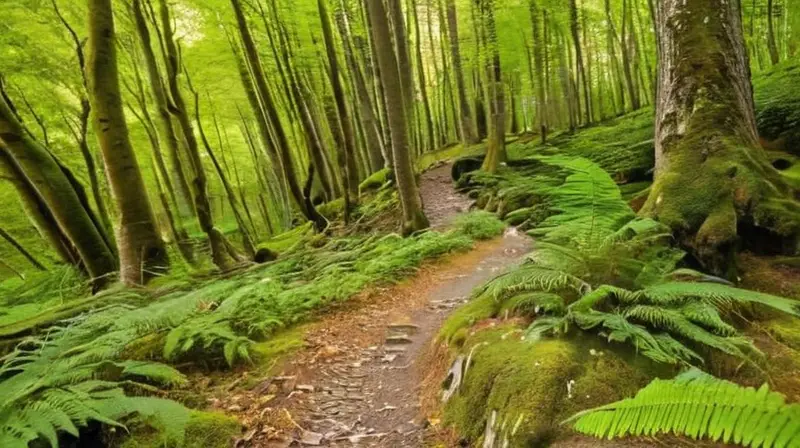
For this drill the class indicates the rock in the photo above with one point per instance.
(404, 328)
(394, 349)
(307, 388)
(389, 358)
(398, 339)
(311, 438)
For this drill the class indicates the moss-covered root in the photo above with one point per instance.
(717, 197)
(204, 430)
(521, 391)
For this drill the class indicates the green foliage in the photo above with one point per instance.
(698, 405)
(778, 105)
(615, 276)
(479, 225)
(70, 376)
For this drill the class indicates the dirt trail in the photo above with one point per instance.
(358, 381)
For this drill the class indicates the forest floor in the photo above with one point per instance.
(358, 378)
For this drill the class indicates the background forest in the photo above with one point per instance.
(182, 180)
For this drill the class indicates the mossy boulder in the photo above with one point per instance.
(376, 180)
(204, 430)
(521, 390)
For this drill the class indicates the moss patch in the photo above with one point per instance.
(529, 388)
(204, 430)
(479, 225)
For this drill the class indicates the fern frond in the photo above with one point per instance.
(532, 278)
(717, 294)
(698, 406)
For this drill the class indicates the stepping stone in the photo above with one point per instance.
(394, 349)
(398, 339)
(404, 328)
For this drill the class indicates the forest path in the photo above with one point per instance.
(358, 380)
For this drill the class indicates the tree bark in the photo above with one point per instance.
(466, 121)
(581, 67)
(496, 145)
(423, 87)
(271, 113)
(413, 217)
(538, 58)
(771, 44)
(141, 251)
(713, 182)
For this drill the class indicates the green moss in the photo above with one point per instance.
(475, 310)
(479, 225)
(204, 430)
(526, 384)
(778, 106)
(375, 181)
(285, 241)
(785, 329)
(279, 345)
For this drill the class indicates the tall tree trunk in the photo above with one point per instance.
(612, 51)
(398, 27)
(713, 182)
(220, 248)
(468, 131)
(496, 146)
(264, 94)
(141, 250)
(626, 60)
(370, 122)
(581, 67)
(423, 88)
(186, 204)
(24, 252)
(413, 216)
(344, 125)
(538, 58)
(771, 44)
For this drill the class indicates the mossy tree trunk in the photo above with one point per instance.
(167, 129)
(221, 251)
(496, 145)
(713, 183)
(141, 250)
(538, 58)
(771, 43)
(429, 133)
(413, 217)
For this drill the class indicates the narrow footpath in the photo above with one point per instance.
(358, 380)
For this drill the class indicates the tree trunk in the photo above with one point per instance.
(713, 182)
(186, 205)
(771, 44)
(24, 252)
(626, 60)
(467, 123)
(343, 123)
(413, 217)
(141, 250)
(219, 244)
(496, 145)
(423, 87)
(612, 51)
(581, 67)
(271, 113)
(538, 58)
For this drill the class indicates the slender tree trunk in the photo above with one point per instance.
(270, 111)
(426, 105)
(612, 51)
(219, 244)
(141, 251)
(467, 123)
(626, 60)
(713, 182)
(24, 252)
(581, 68)
(538, 58)
(343, 123)
(370, 122)
(395, 14)
(496, 147)
(774, 56)
(413, 216)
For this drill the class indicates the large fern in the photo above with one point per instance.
(698, 405)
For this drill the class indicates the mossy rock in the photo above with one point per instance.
(528, 388)
(376, 180)
(204, 430)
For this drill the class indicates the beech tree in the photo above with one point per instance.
(141, 251)
(713, 182)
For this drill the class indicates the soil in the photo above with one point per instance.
(357, 381)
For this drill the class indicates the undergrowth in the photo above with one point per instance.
(88, 368)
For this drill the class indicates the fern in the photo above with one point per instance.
(698, 405)
(718, 294)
